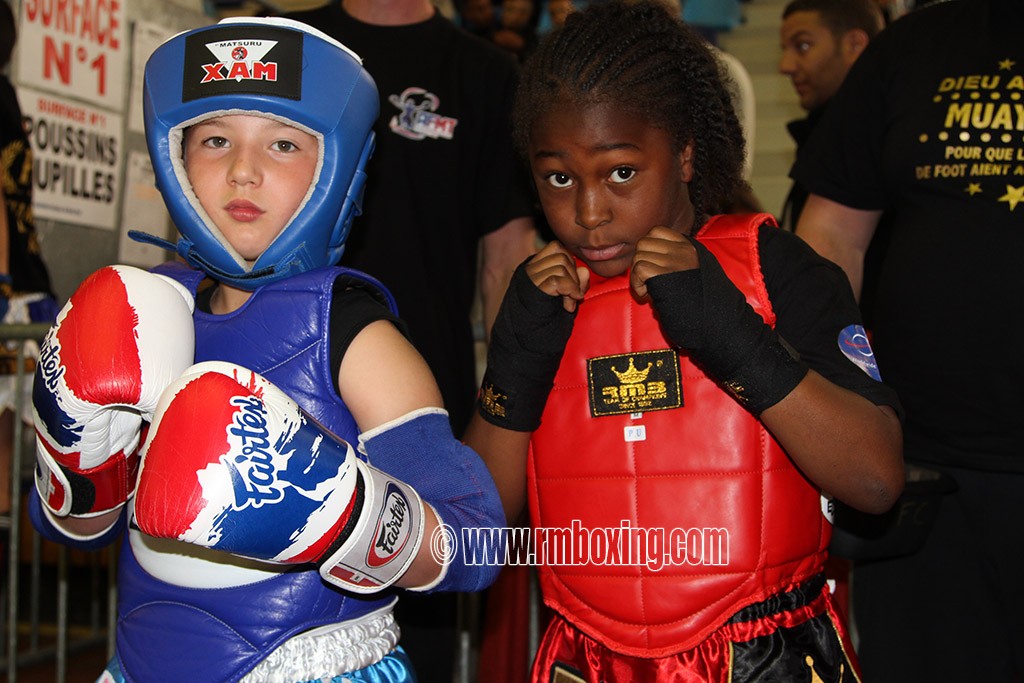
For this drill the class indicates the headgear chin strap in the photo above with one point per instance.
(281, 69)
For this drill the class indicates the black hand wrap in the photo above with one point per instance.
(527, 342)
(702, 312)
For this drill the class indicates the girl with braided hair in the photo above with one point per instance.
(677, 397)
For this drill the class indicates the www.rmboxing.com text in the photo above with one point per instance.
(576, 545)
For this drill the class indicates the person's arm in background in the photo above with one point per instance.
(839, 233)
(501, 252)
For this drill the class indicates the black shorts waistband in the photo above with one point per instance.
(798, 597)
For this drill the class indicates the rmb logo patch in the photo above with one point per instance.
(638, 382)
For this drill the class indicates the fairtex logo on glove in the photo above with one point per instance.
(232, 463)
(393, 529)
(47, 389)
(250, 460)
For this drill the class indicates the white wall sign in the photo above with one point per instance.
(76, 171)
(74, 48)
(143, 210)
(146, 38)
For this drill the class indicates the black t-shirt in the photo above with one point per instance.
(353, 307)
(444, 174)
(799, 130)
(816, 313)
(929, 127)
(27, 270)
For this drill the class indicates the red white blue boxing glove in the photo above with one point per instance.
(232, 463)
(123, 336)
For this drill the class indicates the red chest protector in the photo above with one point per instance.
(737, 519)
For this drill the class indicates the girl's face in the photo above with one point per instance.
(250, 174)
(605, 178)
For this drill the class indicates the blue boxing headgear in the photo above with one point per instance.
(284, 70)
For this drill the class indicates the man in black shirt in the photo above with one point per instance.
(926, 128)
(821, 39)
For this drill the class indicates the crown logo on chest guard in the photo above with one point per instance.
(649, 381)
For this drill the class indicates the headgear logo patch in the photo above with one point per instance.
(853, 342)
(236, 60)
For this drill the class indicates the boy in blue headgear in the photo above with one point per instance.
(260, 547)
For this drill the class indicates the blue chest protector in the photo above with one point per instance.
(172, 632)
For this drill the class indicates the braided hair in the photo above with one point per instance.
(637, 56)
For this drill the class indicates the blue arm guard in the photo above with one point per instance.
(421, 450)
(51, 532)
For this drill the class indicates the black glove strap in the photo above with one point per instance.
(702, 312)
(527, 341)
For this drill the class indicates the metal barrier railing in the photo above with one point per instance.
(32, 626)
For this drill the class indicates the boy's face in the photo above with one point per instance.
(813, 58)
(250, 174)
(605, 177)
